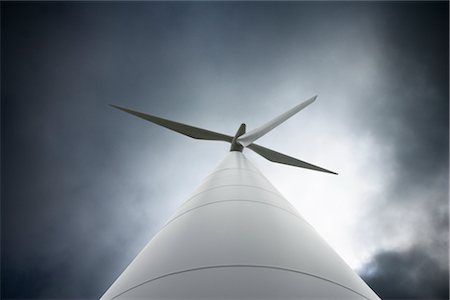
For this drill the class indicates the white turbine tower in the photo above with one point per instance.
(236, 237)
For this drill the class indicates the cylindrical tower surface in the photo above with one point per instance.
(236, 237)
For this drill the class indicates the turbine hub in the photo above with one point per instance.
(235, 145)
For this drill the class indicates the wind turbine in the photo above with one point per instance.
(236, 237)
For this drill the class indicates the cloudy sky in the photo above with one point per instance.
(85, 187)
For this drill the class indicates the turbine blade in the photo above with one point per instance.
(253, 135)
(284, 159)
(190, 131)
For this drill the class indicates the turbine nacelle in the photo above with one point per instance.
(241, 139)
(235, 144)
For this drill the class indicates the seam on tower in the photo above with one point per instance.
(239, 266)
(228, 185)
(226, 169)
(231, 200)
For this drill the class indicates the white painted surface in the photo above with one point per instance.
(237, 238)
(251, 136)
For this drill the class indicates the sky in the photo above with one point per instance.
(85, 187)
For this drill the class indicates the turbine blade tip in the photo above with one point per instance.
(119, 107)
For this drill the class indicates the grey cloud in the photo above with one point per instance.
(416, 199)
(409, 274)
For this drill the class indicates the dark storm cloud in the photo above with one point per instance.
(417, 71)
(77, 199)
(410, 274)
(417, 131)
(64, 186)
